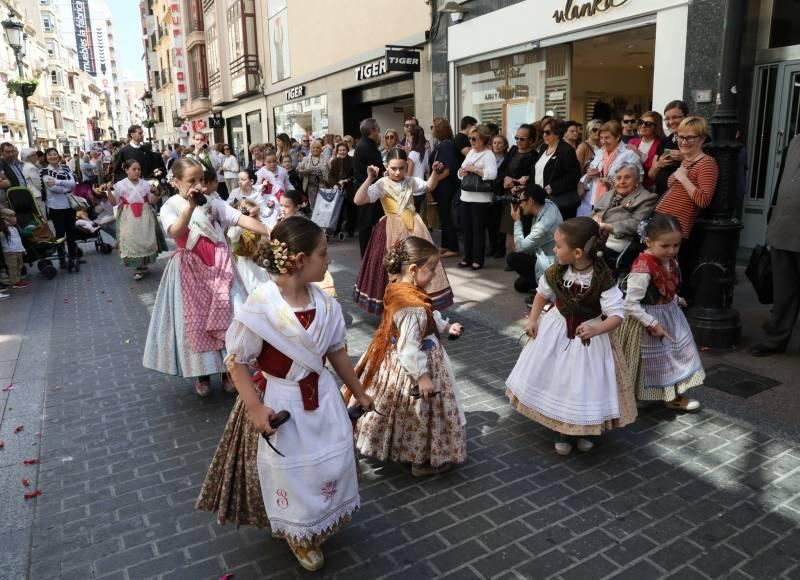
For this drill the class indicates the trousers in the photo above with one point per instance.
(786, 306)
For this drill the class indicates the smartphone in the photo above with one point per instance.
(667, 152)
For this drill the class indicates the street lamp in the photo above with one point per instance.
(148, 105)
(15, 34)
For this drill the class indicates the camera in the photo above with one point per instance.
(516, 193)
(199, 198)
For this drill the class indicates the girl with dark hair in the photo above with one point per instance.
(288, 329)
(417, 160)
(396, 194)
(407, 372)
(572, 377)
(139, 234)
(656, 337)
(200, 286)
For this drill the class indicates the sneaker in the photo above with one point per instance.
(3, 296)
(684, 404)
(563, 447)
(585, 445)
(21, 284)
(203, 389)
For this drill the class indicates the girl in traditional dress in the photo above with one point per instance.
(407, 373)
(572, 377)
(292, 204)
(396, 194)
(307, 472)
(138, 232)
(658, 343)
(200, 286)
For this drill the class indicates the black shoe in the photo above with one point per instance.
(70, 265)
(522, 286)
(78, 265)
(762, 350)
(81, 261)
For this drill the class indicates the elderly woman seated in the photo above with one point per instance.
(619, 212)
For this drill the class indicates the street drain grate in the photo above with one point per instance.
(738, 382)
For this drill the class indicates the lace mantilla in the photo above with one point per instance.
(584, 279)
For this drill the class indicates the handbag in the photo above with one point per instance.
(77, 203)
(476, 183)
(759, 272)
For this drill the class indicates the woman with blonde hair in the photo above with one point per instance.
(390, 140)
(587, 149)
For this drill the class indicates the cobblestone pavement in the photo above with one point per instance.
(124, 451)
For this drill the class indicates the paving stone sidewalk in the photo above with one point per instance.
(124, 452)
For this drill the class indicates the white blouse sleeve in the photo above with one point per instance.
(375, 191)
(637, 289)
(411, 322)
(442, 324)
(489, 165)
(243, 345)
(544, 289)
(168, 216)
(612, 302)
(339, 334)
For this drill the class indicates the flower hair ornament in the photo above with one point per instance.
(281, 260)
(641, 229)
(397, 256)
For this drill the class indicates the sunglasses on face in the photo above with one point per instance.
(596, 130)
(547, 132)
(471, 139)
(647, 124)
(518, 138)
(408, 125)
(629, 121)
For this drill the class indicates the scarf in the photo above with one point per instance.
(666, 280)
(398, 295)
(397, 200)
(575, 305)
(602, 186)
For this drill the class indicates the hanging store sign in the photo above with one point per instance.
(295, 92)
(178, 60)
(575, 10)
(371, 70)
(402, 60)
(84, 41)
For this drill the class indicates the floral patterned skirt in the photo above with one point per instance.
(232, 488)
(413, 430)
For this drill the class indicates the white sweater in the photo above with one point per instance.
(485, 160)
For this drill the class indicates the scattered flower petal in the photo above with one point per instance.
(9, 387)
(2, 444)
(19, 428)
(127, 341)
(66, 300)
(109, 300)
(227, 576)
(33, 494)
(30, 462)
(26, 482)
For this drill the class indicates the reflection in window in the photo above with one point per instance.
(785, 25)
(304, 116)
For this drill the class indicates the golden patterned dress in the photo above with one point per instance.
(400, 222)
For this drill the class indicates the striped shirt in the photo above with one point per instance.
(677, 202)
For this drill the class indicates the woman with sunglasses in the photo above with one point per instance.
(513, 175)
(557, 169)
(645, 145)
(390, 141)
(587, 150)
(609, 158)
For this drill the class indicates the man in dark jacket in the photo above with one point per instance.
(367, 153)
(137, 150)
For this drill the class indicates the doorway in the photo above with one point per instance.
(776, 94)
(390, 102)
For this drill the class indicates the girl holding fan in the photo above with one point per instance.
(307, 472)
(407, 372)
(396, 193)
(656, 337)
(572, 377)
(138, 233)
(200, 286)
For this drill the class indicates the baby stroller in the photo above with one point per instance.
(39, 242)
(327, 209)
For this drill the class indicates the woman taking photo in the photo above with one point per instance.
(611, 156)
(417, 160)
(557, 170)
(314, 172)
(446, 192)
(340, 174)
(477, 175)
(669, 153)
(58, 183)
(646, 144)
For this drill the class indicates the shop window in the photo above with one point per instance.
(785, 25)
(255, 133)
(507, 91)
(301, 117)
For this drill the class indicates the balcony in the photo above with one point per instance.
(198, 92)
(244, 72)
(177, 120)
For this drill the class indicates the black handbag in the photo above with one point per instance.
(759, 272)
(476, 183)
